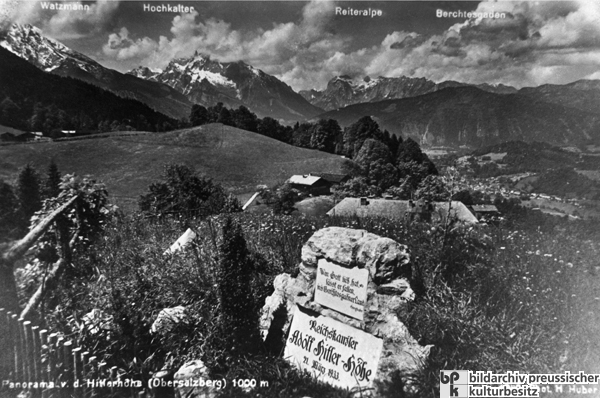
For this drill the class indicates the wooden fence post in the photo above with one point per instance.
(28, 357)
(17, 348)
(5, 341)
(31, 355)
(45, 376)
(52, 357)
(84, 372)
(92, 373)
(23, 351)
(77, 371)
(68, 363)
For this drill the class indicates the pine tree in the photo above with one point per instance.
(198, 115)
(8, 112)
(225, 117)
(52, 183)
(28, 194)
(410, 151)
(8, 212)
(244, 119)
(325, 134)
(357, 133)
(237, 333)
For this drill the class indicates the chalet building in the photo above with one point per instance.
(332, 178)
(8, 137)
(310, 184)
(485, 212)
(27, 137)
(403, 210)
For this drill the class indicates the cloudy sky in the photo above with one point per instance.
(306, 44)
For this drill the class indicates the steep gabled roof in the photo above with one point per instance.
(332, 177)
(485, 208)
(304, 179)
(396, 209)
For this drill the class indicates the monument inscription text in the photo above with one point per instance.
(342, 289)
(334, 352)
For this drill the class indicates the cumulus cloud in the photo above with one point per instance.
(552, 41)
(19, 11)
(121, 47)
(294, 51)
(65, 24)
(541, 42)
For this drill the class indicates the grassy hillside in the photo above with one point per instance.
(128, 163)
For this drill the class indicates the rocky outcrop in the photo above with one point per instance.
(193, 381)
(388, 291)
(167, 319)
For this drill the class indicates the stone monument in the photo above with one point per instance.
(339, 315)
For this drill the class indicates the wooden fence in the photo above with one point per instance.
(49, 366)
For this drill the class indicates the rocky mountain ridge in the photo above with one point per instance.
(343, 90)
(51, 56)
(206, 82)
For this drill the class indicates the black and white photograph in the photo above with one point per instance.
(303, 199)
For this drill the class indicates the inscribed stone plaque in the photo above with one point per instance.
(342, 289)
(333, 352)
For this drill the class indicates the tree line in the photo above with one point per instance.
(386, 162)
(20, 202)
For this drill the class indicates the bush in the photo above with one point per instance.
(182, 193)
(236, 333)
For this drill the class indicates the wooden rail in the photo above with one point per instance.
(50, 366)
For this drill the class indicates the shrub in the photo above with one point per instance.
(182, 193)
(236, 333)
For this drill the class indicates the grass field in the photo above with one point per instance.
(238, 159)
(591, 174)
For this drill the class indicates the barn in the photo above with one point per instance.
(310, 184)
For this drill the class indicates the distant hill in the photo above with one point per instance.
(516, 157)
(238, 159)
(469, 116)
(582, 94)
(519, 156)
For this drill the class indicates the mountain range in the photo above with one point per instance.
(444, 113)
(52, 56)
(343, 91)
(206, 82)
(183, 82)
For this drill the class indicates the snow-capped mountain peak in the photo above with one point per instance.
(207, 81)
(144, 72)
(27, 42)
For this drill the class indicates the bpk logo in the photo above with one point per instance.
(454, 383)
